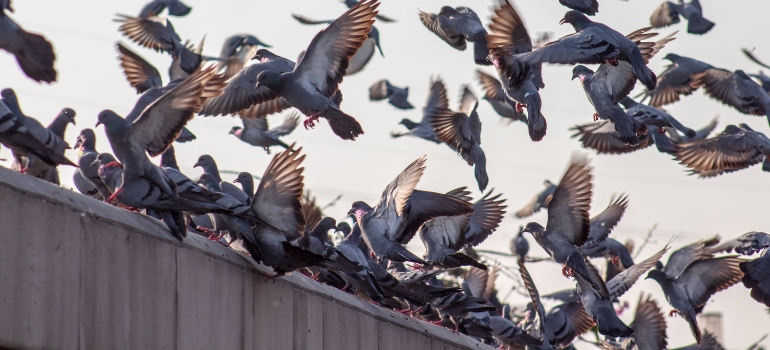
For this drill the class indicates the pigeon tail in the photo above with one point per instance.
(175, 222)
(692, 321)
(699, 25)
(480, 50)
(36, 57)
(460, 259)
(177, 8)
(578, 264)
(644, 74)
(610, 325)
(624, 127)
(535, 119)
(343, 125)
(400, 254)
(189, 61)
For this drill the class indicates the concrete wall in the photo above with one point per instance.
(77, 273)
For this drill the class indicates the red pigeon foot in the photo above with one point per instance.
(567, 272)
(520, 108)
(310, 121)
(596, 116)
(613, 62)
(114, 195)
(672, 313)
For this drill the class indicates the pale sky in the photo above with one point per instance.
(684, 207)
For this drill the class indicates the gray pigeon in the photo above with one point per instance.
(237, 51)
(437, 100)
(457, 26)
(568, 225)
(256, 133)
(668, 13)
(589, 7)
(364, 53)
(736, 148)
(38, 168)
(461, 131)
(757, 277)
(110, 172)
(495, 95)
(155, 7)
(15, 135)
(599, 305)
(677, 79)
(539, 201)
(444, 236)
(235, 224)
(736, 90)
(140, 74)
(33, 51)
(396, 96)
(599, 243)
(157, 33)
(508, 334)
(689, 291)
(652, 116)
(381, 18)
(358, 267)
(700, 134)
(519, 245)
(207, 163)
(242, 95)
(247, 183)
(311, 86)
(748, 243)
(400, 212)
(508, 38)
(602, 137)
(592, 43)
(92, 185)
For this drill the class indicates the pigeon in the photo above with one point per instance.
(15, 135)
(599, 244)
(175, 70)
(602, 137)
(736, 90)
(652, 116)
(458, 304)
(110, 173)
(437, 101)
(33, 52)
(364, 53)
(763, 80)
(155, 7)
(400, 212)
(508, 38)
(599, 305)
(247, 184)
(256, 133)
(313, 213)
(677, 79)
(312, 84)
(539, 201)
(237, 51)
(157, 33)
(235, 224)
(736, 148)
(589, 7)
(140, 74)
(242, 95)
(748, 243)
(358, 267)
(568, 225)
(155, 128)
(444, 236)
(508, 334)
(86, 177)
(495, 95)
(649, 325)
(757, 277)
(668, 13)
(40, 169)
(689, 291)
(381, 18)
(396, 96)
(207, 163)
(457, 26)
(461, 131)
(592, 43)
(700, 134)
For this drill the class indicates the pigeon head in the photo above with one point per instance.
(447, 11)
(344, 227)
(243, 178)
(207, 180)
(547, 183)
(86, 140)
(236, 130)
(322, 228)
(204, 161)
(672, 57)
(8, 94)
(263, 55)
(112, 122)
(359, 209)
(657, 275)
(578, 20)
(582, 72)
(534, 228)
(68, 114)
(270, 79)
(408, 123)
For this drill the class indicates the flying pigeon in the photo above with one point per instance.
(700, 134)
(444, 236)
(461, 131)
(457, 26)
(649, 329)
(237, 51)
(157, 33)
(364, 53)
(736, 148)
(396, 96)
(677, 79)
(33, 52)
(568, 225)
(140, 74)
(155, 7)
(599, 244)
(668, 13)
(256, 133)
(652, 116)
(539, 201)
(508, 38)
(598, 305)
(495, 95)
(757, 277)
(589, 7)
(519, 245)
(592, 43)
(689, 291)
(748, 243)
(437, 100)
(400, 212)
(736, 90)
(312, 84)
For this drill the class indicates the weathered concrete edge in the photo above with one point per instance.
(149, 227)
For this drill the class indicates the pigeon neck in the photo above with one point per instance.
(409, 124)
(59, 125)
(212, 169)
(581, 25)
(627, 102)
(248, 187)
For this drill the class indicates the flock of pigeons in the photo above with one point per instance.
(280, 225)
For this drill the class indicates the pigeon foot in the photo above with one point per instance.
(661, 130)
(114, 196)
(613, 62)
(615, 260)
(310, 121)
(672, 313)
(567, 272)
(437, 323)
(520, 108)
(596, 116)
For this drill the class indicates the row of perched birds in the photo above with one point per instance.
(278, 224)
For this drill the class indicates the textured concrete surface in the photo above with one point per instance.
(78, 273)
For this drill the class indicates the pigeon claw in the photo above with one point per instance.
(672, 313)
(613, 62)
(596, 116)
(114, 196)
(310, 121)
(567, 271)
(520, 108)
(661, 130)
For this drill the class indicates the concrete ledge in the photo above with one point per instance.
(78, 273)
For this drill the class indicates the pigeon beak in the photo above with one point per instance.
(197, 164)
(98, 123)
(236, 181)
(351, 211)
(562, 21)
(73, 121)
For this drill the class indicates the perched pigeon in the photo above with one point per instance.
(589, 7)
(736, 148)
(437, 101)
(235, 224)
(748, 243)
(311, 86)
(519, 245)
(444, 236)
(568, 225)
(256, 133)
(86, 177)
(459, 304)
(237, 51)
(15, 135)
(736, 90)
(461, 131)
(592, 43)
(457, 26)
(33, 51)
(396, 96)
(207, 163)
(668, 13)
(400, 213)
(539, 201)
(364, 53)
(157, 33)
(757, 277)
(508, 38)
(677, 79)
(38, 168)
(247, 184)
(155, 7)
(495, 95)
(689, 291)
